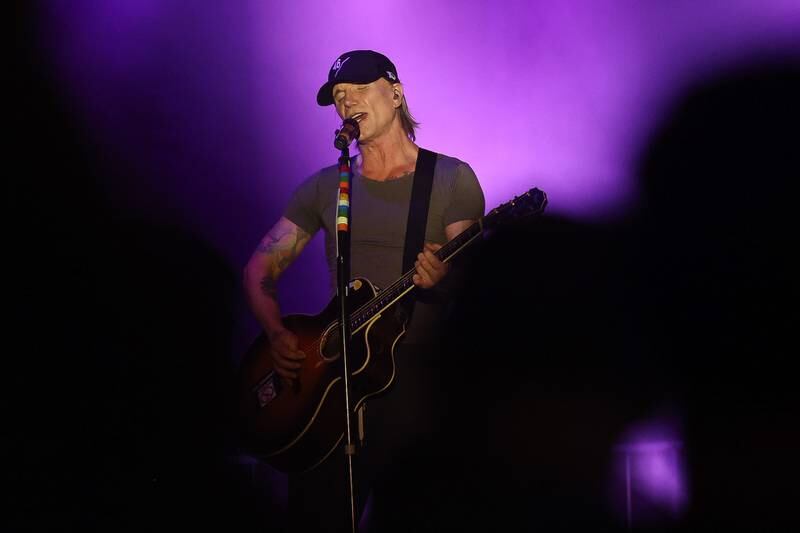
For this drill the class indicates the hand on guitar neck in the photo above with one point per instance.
(430, 270)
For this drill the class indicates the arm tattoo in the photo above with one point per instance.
(269, 287)
(283, 245)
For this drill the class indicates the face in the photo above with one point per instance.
(375, 100)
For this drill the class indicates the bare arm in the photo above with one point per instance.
(451, 231)
(276, 251)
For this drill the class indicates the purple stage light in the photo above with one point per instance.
(649, 482)
(211, 110)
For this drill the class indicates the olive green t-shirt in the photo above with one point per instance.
(379, 212)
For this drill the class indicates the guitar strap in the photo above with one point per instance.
(418, 209)
(415, 240)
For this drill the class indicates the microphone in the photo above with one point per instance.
(348, 133)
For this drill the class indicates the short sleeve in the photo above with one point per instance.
(303, 207)
(467, 200)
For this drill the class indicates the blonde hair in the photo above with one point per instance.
(407, 120)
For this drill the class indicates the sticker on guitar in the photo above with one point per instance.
(267, 389)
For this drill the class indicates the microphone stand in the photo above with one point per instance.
(342, 290)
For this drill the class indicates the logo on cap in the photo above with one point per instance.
(338, 65)
(391, 75)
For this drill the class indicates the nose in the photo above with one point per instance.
(350, 97)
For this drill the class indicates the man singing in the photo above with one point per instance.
(396, 467)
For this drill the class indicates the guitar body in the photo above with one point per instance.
(295, 427)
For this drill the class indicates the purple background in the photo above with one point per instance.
(212, 107)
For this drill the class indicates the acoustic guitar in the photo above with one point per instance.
(295, 427)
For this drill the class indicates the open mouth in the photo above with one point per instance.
(358, 117)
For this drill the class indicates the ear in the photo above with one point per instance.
(397, 96)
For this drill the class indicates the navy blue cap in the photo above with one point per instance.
(357, 66)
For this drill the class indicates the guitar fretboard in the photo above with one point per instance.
(405, 284)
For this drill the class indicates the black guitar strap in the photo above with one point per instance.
(415, 237)
(418, 208)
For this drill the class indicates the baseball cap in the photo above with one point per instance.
(356, 66)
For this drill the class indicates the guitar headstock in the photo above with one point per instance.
(529, 204)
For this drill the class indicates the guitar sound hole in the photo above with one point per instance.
(330, 345)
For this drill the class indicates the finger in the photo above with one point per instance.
(431, 264)
(426, 279)
(286, 346)
(291, 365)
(419, 267)
(432, 246)
(433, 260)
(286, 363)
(286, 374)
(423, 260)
(422, 284)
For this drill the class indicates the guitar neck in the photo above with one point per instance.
(531, 203)
(404, 285)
